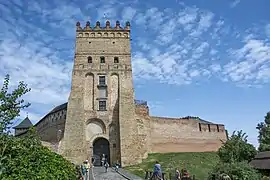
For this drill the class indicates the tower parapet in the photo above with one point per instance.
(107, 26)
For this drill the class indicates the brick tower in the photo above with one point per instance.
(101, 110)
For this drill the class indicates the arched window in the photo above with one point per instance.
(116, 60)
(89, 59)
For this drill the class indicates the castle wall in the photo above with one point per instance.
(51, 128)
(185, 135)
(143, 130)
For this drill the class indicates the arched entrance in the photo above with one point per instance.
(101, 146)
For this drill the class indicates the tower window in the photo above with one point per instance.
(102, 106)
(102, 59)
(102, 80)
(116, 60)
(89, 59)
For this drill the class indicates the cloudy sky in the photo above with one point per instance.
(200, 58)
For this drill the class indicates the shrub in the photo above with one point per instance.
(236, 171)
(236, 149)
(26, 158)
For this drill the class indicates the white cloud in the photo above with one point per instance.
(235, 3)
(252, 63)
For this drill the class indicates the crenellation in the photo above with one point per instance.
(107, 35)
(107, 27)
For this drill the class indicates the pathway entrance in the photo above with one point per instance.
(101, 146)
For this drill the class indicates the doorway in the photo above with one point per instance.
(101, 146)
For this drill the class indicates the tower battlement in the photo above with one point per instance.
(107, 26)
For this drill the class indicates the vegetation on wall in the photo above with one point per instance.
(26, 158)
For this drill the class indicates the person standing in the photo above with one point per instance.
(103, 160)
(106, 165)
(92, 161)
(177, 175)
(84, 171)
(157, 174)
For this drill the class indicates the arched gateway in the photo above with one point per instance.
(101, 146)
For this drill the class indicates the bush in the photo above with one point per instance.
(26, 158)
(236, 171)
(236, 149)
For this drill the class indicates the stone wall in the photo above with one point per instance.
(179, 134)
(184, 135)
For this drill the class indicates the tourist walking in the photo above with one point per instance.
(103, 160)
(92, 161)
(84, 170)
(185, 174)
(106, 165)
(177, 174)
(157, 174)
(87, 166)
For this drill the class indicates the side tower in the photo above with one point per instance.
(100, 113)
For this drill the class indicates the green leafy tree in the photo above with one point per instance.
(11, 103)
(264, 134)
(237, 149)
(26, 158)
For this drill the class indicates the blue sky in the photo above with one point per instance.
(209, 58)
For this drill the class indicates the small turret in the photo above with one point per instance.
(108, 25)
(23, 126)
(78, 26)
(117, 25)
(97, 25)
(87, 26)
(127, 25)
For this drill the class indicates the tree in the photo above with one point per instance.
(237, 149)
(235, 170)
(264, 134)
(234, 156)
(11, 103)
(26, 158)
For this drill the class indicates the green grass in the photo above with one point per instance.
(197, 163)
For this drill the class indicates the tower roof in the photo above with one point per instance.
(26, 123)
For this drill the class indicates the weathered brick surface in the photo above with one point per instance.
(130, 130)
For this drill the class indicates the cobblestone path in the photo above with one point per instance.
(100, 174)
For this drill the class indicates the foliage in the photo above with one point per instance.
(11, 103)
(26, 158)
(235, 170)
(264, 134)
(236, 149)
(197, 163)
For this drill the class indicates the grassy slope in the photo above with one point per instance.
(198, 164)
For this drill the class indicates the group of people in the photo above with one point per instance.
(85, 166)
(182, 175)
(157, 173)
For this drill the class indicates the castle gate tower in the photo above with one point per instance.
(100, 113)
